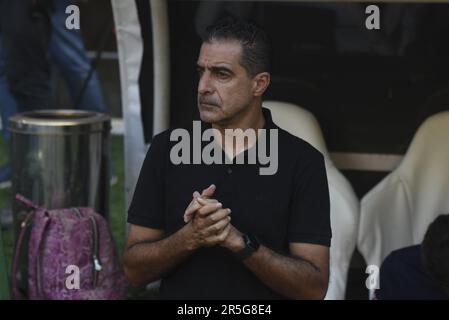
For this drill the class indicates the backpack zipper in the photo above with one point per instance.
(95, 256)
(77, 212)
(96, 261)
(39, 274)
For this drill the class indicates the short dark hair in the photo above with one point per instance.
(256, 46)
(435, 250)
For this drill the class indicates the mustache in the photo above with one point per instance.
(213, 102)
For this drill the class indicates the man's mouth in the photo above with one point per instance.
(208, 104)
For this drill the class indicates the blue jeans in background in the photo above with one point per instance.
(67, 52)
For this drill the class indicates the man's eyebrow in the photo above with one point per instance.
(221, 68)
(215, 68)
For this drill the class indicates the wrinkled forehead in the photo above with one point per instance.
(220, 52)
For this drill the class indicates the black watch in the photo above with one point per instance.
(251, 245)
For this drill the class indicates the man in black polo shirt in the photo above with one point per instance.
(277, 243)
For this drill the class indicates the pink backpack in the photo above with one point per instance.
(71, 256)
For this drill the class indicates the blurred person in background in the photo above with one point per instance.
(419, 272)
(8, 107)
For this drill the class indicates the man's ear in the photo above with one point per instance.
(261, 83)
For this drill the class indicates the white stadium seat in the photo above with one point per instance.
(343, 201)
(397, 211)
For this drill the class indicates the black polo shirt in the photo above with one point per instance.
(291, 205)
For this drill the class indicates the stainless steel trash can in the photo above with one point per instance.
(60, 158)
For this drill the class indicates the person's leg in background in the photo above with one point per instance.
(25, 30)
(68, 53)
(8, 107)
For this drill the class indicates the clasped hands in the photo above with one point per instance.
(210, 224)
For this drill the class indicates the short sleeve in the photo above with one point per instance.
(147, 205)
(310, 210)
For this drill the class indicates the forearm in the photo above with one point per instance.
(291, 277)
(145, 262)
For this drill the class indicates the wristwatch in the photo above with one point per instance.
(251, 245)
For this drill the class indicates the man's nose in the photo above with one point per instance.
(205, 85)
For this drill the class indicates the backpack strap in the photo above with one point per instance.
(16, 294)
(38, 272)
(28, 202)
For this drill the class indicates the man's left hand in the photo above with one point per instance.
(234, 241)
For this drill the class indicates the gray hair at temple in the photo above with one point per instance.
(256, 46)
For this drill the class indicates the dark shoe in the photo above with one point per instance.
(5, 176)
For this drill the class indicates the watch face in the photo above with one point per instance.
(252, 242)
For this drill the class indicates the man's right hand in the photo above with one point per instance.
(209, 227)
(195, 205)
(209, 222)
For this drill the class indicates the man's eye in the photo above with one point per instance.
(223, 75)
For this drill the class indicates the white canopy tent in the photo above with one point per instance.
(130, 50)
